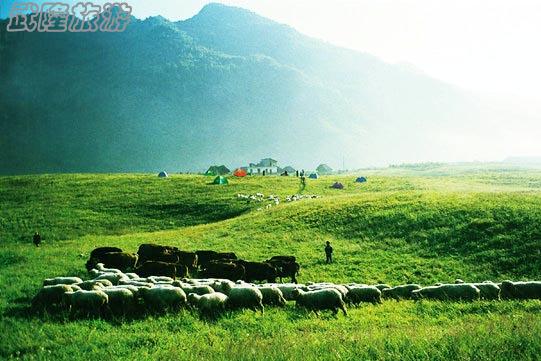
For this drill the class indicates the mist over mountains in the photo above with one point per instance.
(226, 86)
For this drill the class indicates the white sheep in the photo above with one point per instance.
(244, 297)
(448, 292)
(163, 298)
(160, 279)
(199, 290)
(324, 285)
(121, 300)
(358, 294)
(222, 286)
(400, 292)
(489, 290)
(209, 305)
(521, 290)
(101, 267)
(114, 278)
(382, 286)
(50, 296)
(94, 284)
(61, 281)
(287, 289)
(86, 302)
(318, 300)
(272, 296)
(137, 283)
(132, 276)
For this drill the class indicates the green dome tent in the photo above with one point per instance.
(337, 185)
(360, 180)
(220, 180)
(313, 176)
(163, 174)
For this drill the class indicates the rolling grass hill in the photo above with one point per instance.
(395, 229)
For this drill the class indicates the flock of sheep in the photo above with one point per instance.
(112, 291)
(272, 199)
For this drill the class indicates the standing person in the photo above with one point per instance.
(36, 239)
(303, 183)
(328, 252)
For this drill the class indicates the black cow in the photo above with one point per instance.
(119, 260)
(205, 257)
(258, 271)
(227, 270)
(152, 268)
(286, 267)
(101, 250)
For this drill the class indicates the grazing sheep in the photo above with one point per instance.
(223, 286)
(61, 281)
(448, 292)
(320, 286)
(163, 298)
(244, 297)
(94, 284)
(50, 296)
(272, 296)
(382, 286)
(121, 300)
(210, 305)
(133, 289)
(318, 300)
(358, 294)
(160, 279)
(521, 290)
(198, 290)
(400, 292)
(101, 267)
(489, 291)
(114, 278)
(136, 283)
(287, 289)
(86, 302)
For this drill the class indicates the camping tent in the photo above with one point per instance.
(360, 180)
(240, 173)
(337, 185)
(220, 180)
(163, 174)
(313, 176)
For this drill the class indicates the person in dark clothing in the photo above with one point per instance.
(328, 252)
(36, 239)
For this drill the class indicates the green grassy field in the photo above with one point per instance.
(402, 226)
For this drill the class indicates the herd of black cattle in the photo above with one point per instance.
(156, 260)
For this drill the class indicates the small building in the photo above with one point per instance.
(266, 166)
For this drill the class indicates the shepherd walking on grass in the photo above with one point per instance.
(328, 252)
(36, 239)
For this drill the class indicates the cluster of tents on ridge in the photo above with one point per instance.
(222, 180)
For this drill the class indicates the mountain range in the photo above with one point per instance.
(226, 86)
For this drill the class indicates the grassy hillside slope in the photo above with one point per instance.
(393, 229)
